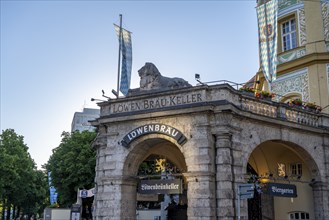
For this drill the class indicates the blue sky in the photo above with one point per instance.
(57, 55)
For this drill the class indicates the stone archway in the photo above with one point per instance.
(152, 144)
(141, 149)
(283, 162)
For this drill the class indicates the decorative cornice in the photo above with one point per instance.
(288, 6)
(303, 62)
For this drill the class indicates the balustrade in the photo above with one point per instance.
(279, 110)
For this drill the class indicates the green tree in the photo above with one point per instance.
(22, 186)
(72, 165)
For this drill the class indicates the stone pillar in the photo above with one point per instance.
(116, 198)
(321, 200)
(99, 145)
(225, 191)
(200, 195)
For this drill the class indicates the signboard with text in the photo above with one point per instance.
(281, 190)
(160, 186)
(246, 191)
(154, 128)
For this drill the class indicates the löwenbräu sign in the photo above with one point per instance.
(160, 186)
(154, 128)
(281, 190)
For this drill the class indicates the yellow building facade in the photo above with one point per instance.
(302, 53)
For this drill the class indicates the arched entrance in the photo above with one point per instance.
(278, 168)
(155, 159)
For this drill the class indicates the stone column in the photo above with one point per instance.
(321, 200)
(225, 191)
(116, 198)
(200, 195)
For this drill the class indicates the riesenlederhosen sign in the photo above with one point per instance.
(154, 128)
(160, 186)
(281, 190)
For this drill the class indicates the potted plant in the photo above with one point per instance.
(247, 90)
(296, 102)
(312, 107)
(265, 95)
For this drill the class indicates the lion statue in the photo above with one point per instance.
(151, 79)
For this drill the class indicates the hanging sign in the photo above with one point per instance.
(154, 128)
(246, 191)
(281, 190)
(160, 186)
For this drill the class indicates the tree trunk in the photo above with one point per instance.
(14, 212)
(18, 212)
(8, 211)
(3, 209)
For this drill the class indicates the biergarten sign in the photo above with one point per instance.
(154, 128)
(281, 190)
(173, 186)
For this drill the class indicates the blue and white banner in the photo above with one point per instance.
(126, 62)
(267, 15)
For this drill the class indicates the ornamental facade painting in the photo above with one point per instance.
(328, 76)
(302, 27)
(296, 82)
(325, 18)
(283, 4)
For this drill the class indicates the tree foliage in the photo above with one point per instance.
(22, 187)
(72, 165)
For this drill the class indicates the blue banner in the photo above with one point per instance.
(126, 61)
(267, 15)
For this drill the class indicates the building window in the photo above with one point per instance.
(296, 169)
(299, 215)
(288, 33)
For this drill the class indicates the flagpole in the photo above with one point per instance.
(119, 58)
